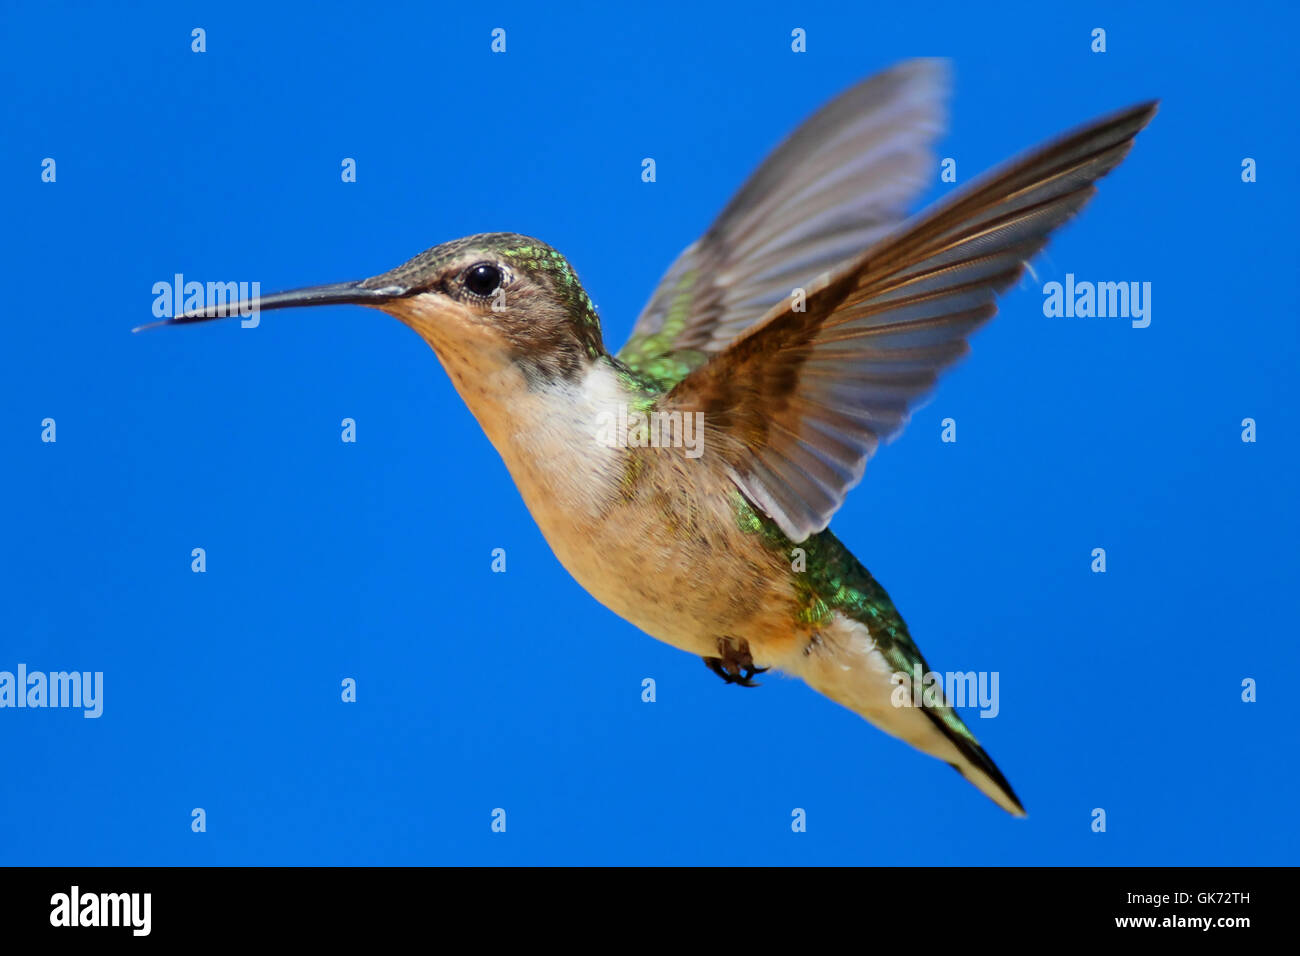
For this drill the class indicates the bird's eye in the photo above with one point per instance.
(482, 279)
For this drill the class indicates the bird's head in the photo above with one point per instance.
(487, 304)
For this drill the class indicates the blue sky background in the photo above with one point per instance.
(477, 690)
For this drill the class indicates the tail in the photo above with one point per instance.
(873, 678)
(975, 765)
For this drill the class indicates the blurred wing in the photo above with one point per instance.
(841, 181)
(803, 399)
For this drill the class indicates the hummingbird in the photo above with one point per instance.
(799, 331)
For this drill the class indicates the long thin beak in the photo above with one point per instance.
(339, 293)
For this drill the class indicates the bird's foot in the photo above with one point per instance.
(735, 666)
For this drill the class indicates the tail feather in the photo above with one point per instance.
(854, 669)
(976, 765)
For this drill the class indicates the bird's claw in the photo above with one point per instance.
(736, 665)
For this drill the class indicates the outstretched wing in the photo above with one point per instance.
(841, 181)
(804, 398)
